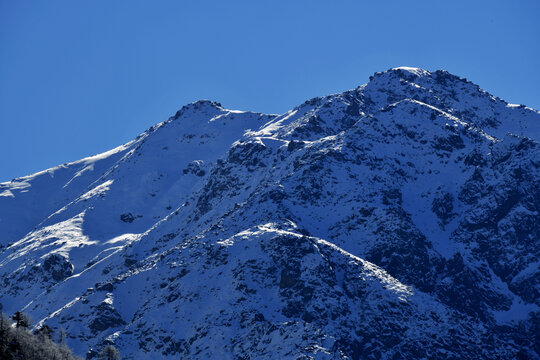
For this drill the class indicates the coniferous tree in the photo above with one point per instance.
(21, 320)
(109, 352)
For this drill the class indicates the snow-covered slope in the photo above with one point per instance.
(396, 220)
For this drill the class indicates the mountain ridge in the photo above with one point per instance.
(397, 219)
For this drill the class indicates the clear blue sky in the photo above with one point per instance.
(80, 77)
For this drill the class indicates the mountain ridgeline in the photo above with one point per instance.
(397, 220)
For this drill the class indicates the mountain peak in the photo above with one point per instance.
(410, 70)
(204, 103)
(407, 73)
(199, 106)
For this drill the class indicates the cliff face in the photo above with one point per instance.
(400, 219)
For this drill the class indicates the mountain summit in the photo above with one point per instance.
(397, 220)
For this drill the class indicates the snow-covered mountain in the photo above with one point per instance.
(397, 220)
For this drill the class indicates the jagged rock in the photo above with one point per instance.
(105, 317)
(196, 168)
(443, 206)
(127, 218)
(58, 267)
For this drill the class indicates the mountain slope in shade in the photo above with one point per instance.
(396, 220)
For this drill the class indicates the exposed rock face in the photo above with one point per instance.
(58, 266)
(196, 168)
(105, 317)
(400, 219)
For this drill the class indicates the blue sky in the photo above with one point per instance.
(80, 77)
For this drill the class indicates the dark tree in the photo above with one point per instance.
(109, 352)
(21, 320)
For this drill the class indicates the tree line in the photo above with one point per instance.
(18, 342)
